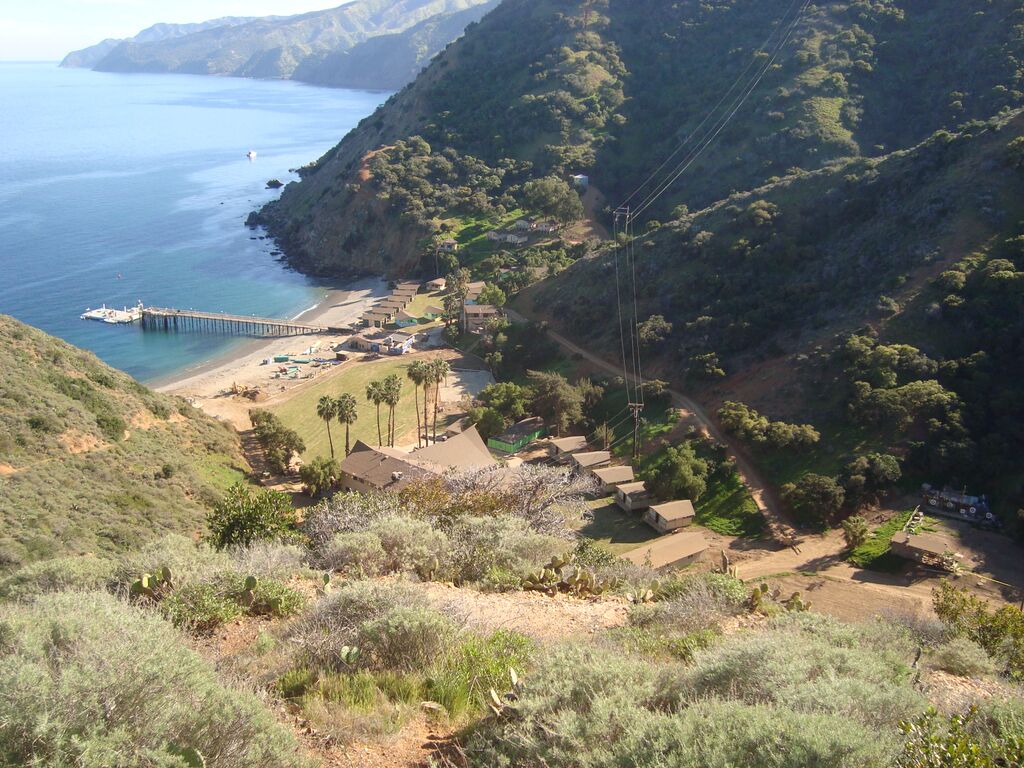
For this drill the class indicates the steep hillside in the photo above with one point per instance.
(91, 460)
(612, 87)
(303, 46)
(882, 300)
(87, 58)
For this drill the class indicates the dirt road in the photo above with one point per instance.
(692, 412)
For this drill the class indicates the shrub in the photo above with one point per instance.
(86, 679)
(814, 498)
(409, 544)
(463, 678)
(353, 553)
(199, 607)
(270, 559)
(61, 574)
(1000, 631)
(269, 597)
(481, 543)
(960, 656)
(404, 638)
(246, 515)
(334, 622)
(188, 561)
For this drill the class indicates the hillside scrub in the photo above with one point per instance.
(88, 680)
(120, 464)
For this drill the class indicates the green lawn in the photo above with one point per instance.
(727, 507)
(874, 553)
(613, 529)
(299, 413)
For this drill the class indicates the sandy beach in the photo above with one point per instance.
(209, 386)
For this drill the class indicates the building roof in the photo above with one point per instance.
(407, 285)
(464, 451)
(381, 468)
(929, 543)
(570, 444)
(591, 458)
(482, 309)
(668, 549)
(630, 489)
(614, 475)
(674, 510)
(379, 312)
(521, 429)
(474, 289)
(433, 310)
(438, 282)
(403, 315)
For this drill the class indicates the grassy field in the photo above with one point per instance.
(874, 553)
(613, 529)
(727, 507)
(299, 413)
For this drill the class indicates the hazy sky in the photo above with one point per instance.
(45, 30)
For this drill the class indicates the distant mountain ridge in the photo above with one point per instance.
(329, 48)
(87, 58)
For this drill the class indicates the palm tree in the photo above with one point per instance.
(417, 374)
(375, 394)
(392, 396)
(439, 370)
(327, 409)
(348, 412)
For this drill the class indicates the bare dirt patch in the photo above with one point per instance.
(76, 442)
(533, 614)
(6, 470)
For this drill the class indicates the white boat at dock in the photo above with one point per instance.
(106, 314)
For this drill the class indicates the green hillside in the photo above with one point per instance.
(91, 460)
(882, 298)
(554, 87)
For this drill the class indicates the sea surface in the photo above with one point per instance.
(119, 188)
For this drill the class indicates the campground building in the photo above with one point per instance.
(668, 517)
(518, 436)
(674, 551)
(633, 497)
(561, 448)
(612, 477)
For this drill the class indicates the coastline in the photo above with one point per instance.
(208, 385)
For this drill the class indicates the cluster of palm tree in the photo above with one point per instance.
(427, 373)
(344, 409)
(388, 391)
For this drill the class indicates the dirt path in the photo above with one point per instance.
(691, 412)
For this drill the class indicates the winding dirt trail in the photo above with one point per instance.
(767, 502)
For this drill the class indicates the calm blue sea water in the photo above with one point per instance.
(115, 188)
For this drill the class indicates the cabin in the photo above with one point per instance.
(378, 317)
(524, 225)
(433, 312)
(513, 239)
(473, 291)
(407, 286)
(633, 497)
(495, 236)
(925, 548)
(448, 246)
(437, 284)
(668, 517)
(476, 316)
(585, 460)
(580, 180)
(369, 469)
(394, 303)
(562, 448)
(400, 343)
(546, 227)
(518, 436)
(404, 319)
(674, 551)
(612, 477)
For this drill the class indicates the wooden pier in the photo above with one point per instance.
(167, 319)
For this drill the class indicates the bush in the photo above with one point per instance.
(409, 545)
(199, 607)
(188, 561)
(404, 638)
(61, 574)
(87, 680)
(335, 621)
(359, 553)
(270, 559)
(814, 498)
(464, 676)
(963, 657)
(246, 515)
(479, 544)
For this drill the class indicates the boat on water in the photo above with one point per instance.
(106, 314)
(251, 154)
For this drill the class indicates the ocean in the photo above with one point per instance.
(120, 188)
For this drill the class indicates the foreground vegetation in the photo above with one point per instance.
(92, 461)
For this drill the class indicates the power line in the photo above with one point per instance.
(738, 102)
(721, 101)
